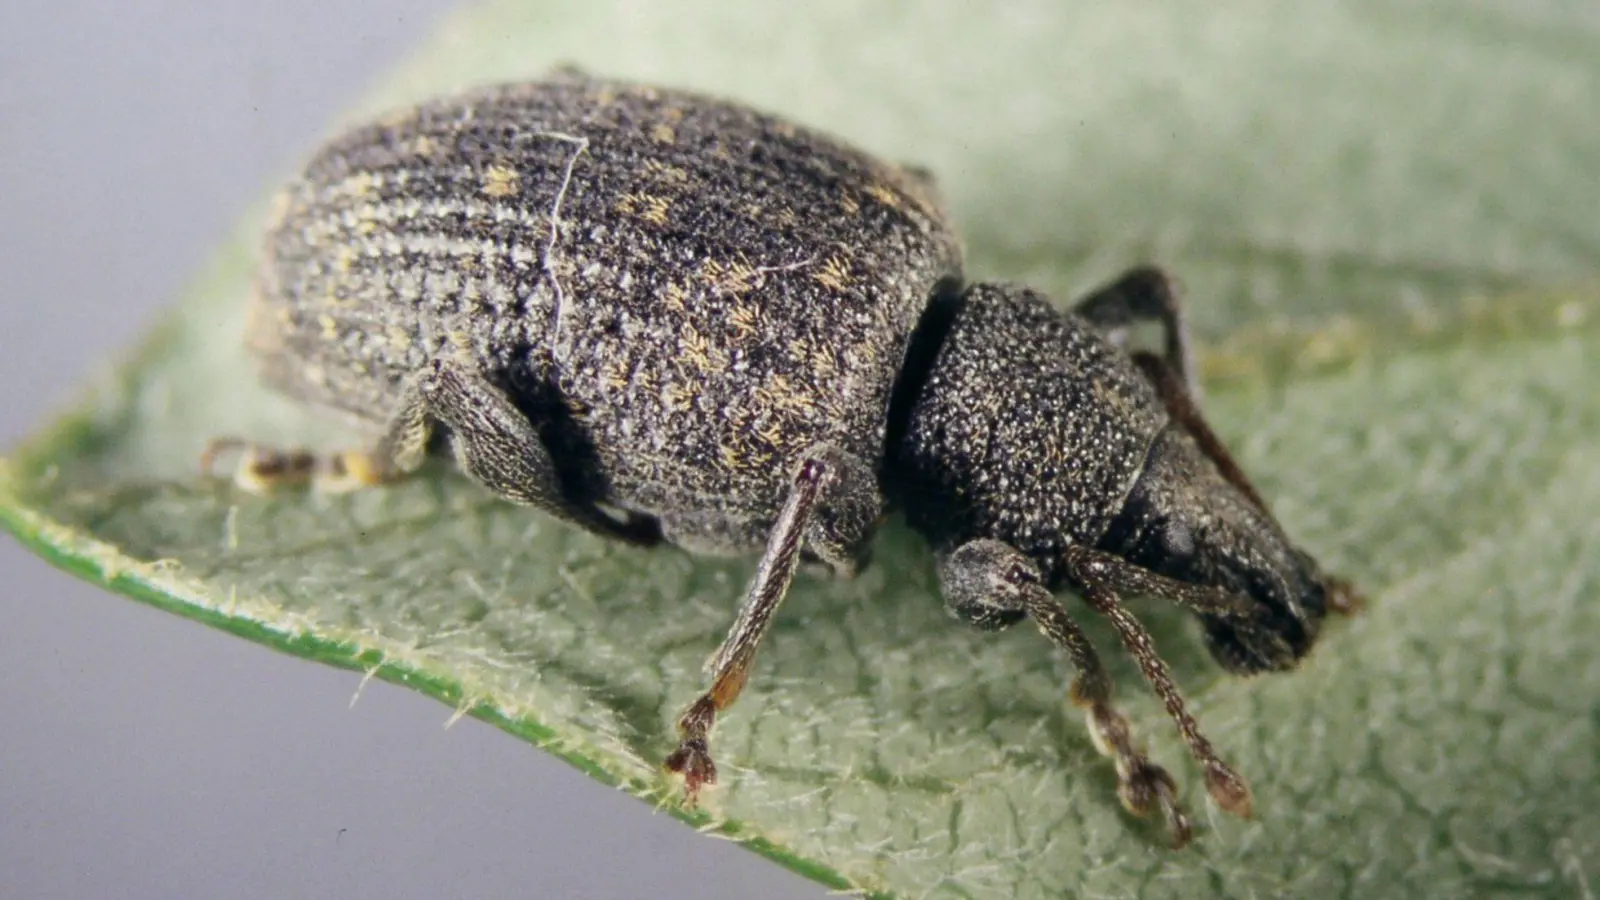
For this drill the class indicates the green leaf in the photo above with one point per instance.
(1384, 212)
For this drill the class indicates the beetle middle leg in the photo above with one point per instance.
(831, 508)
(493, 440)
(992, 585)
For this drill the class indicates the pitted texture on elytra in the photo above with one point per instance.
(703, 291)
(1031, 429)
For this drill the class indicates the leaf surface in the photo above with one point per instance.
(1384, 215)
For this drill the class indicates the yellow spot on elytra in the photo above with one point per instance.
(676, 398)
(615, 376)
(501, 181)
(655, 210)
(674, 297)
(660, 171)
(649, 207)
(823, 364)
(696, 349)
(663, 133)
(779, 393)
(771, 433)
(883, 194)
(606, 96)
(330, 327)
(361, 184)
(743, 320)
(739, 278)
(849, 203)
(729, 278)
(833, 275)
(709, 271)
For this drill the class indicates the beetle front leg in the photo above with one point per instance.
(991, 585)
(831, 507)
(1097, 573)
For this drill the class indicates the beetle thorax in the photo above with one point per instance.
(1027, 426)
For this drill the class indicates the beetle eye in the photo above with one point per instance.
(1177, 541)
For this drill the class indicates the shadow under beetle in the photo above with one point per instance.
(662, 316)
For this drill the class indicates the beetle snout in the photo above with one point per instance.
(1289, 613)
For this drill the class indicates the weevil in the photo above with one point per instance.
(665, 317)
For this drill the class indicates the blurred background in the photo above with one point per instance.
(143, 755)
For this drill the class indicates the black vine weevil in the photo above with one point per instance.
(664, 316)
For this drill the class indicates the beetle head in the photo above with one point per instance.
(1184, 520)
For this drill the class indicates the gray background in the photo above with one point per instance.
(143, 755)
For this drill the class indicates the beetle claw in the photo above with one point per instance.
(692, 760)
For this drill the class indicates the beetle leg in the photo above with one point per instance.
(990, 585)
(262, 469)
(1116, 574)
(839, 534)
(1181, 407)
(1096, 573)
(1144, 293)
(493, 440)
(822, 477)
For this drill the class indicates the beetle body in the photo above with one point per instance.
(661, 315)
(685, 294)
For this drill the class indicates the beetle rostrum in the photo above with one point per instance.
(666, 317)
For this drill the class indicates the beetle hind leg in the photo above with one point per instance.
(262, 469)
(494, 443)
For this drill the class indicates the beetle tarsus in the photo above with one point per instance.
(1141, 783)
(692, 759)
(1229, 789)
(1226, 786)
(262, 470)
